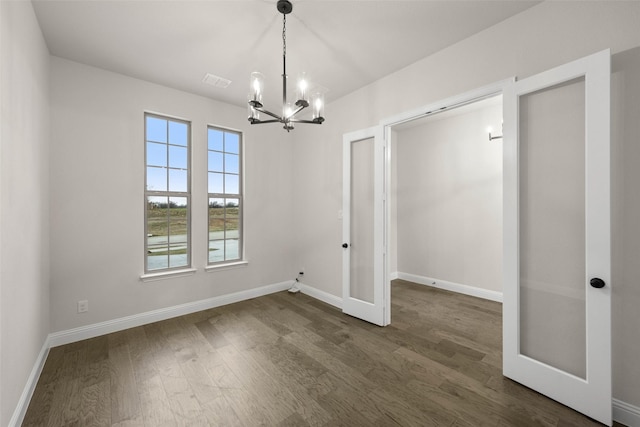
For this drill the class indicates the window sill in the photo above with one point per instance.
(150, 277)
(218, 267)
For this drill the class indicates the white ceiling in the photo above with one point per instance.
(342, 45)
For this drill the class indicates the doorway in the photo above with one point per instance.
(445, 227)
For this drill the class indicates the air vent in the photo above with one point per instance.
(216, 81)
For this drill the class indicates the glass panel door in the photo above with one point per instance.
(363, 221)
(557, 287)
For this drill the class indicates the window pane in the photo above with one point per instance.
(216, 251)
(232, 210)
(216, 219)
(157, 232)
(231, 163)
(178, 157)
(157, 260)
(216, 202)
(231, 225)
(156, 179)
(215, 140)
(232, 249)
(232, 143)
(178, 231)
(156, 129)
(215, 161)
(156, 154)
(231, 184)
(157, 220)
(178, 133)
(215, 183)
(177, 180)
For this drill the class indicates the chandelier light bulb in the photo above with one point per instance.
(303, 85)
(256, 88)
(317, 101)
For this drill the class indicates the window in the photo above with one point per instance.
(167, 193)
(225, 195)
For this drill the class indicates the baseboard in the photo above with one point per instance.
(321, 295)
(626, 414)
(109, 326)
(451, 286)
(27, 393)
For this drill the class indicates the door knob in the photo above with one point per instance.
(345, 245)
(597, 283)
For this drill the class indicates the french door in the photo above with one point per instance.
(363, 271)
(557, 278)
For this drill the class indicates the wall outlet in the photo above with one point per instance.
(301, 273)
(83, 306)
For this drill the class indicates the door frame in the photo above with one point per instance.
(387, 124)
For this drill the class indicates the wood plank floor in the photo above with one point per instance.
(289, 360)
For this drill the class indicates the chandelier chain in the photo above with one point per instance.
(284, 35)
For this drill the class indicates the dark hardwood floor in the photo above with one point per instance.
(289, 360)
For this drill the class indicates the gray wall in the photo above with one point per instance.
(97, 193)
(547, 35)
(24, 199)
(448, 193)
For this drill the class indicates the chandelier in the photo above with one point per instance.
(305, 96)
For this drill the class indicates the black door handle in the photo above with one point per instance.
(596, 282)
(345, 245)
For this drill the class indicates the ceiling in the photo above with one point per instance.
(342, 45)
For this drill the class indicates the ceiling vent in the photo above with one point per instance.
(216, 81)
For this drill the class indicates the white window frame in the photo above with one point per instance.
(224, 195)
(169, 271)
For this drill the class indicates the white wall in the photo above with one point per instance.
(24, 200)
(97, 193)
(549, 34)
(449, 199)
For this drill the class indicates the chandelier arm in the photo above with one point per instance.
(268, 113)
(296, 111)
(317, 121)
(261, 122)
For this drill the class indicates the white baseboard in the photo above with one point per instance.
(451, 286)
(32, 381)
(626, 414)
(321, 295)
(109, 326)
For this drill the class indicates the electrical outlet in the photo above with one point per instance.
(301, 273)
(83, 306)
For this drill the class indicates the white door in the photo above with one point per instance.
(557, 278)
(363, 270)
